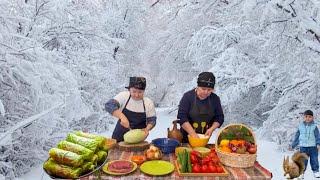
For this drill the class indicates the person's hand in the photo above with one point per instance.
(125, 122)
(146, 133)
(318, 146)
(209, 132)
(194, 135)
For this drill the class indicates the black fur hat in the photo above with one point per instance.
(206, 79)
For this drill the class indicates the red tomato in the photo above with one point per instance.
(212, 154)
(219, 169)
(206, 160)
(196, 168)
(212, 168)
(211, 163)
(215, 160)
(195, 153)
(252, 149)
(194, 159)
(204, 168)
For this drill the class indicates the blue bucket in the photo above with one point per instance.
(166, 145)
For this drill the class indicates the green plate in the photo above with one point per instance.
(157, 168)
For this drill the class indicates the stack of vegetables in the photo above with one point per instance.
(78, 154)
(184, 161)
(196, 162)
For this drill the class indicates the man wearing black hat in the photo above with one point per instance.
(200, 110)
(133, 110)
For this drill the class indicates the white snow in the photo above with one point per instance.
(27, 121)
(268, 155)
(2, 110)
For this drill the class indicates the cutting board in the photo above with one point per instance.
(123, 146)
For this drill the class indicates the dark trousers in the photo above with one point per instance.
(312, 152)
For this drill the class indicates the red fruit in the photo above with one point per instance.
(247, 144)
(212, 169)
(219, 169)
(215, 160)
(213, 155)
(252, 149)
(206, 160)
(196, 168)
(204, 168)
(234, 148)
(211, 163)
(194, 159)
(195, 153)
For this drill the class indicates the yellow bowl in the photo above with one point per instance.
(198, 142)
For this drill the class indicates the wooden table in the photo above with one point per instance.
(257, 172)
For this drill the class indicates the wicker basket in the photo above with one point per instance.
(235, 159)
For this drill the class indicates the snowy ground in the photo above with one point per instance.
(268, 155)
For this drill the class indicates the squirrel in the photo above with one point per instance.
(295, 167)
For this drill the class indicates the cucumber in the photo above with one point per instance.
(186, 154)
(183, 163)
(189, 168)
(178, 158)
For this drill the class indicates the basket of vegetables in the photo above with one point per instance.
(236, 146)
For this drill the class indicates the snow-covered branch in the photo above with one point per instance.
(27, 121)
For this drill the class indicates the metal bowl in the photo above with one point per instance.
(99, 166)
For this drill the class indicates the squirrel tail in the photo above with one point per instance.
(299, 159)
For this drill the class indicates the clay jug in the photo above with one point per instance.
(175, 132)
